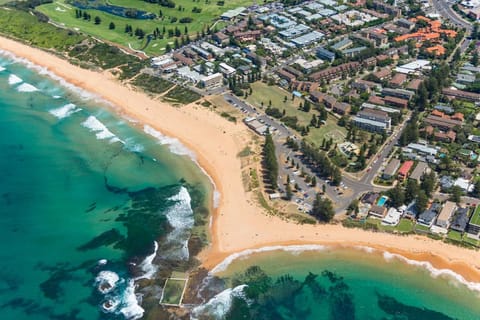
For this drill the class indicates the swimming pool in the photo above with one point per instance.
(382, 201)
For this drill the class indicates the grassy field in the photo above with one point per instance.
(261, 92)
(64, 14)
(181, 95)
(25, 26)
(329, 130)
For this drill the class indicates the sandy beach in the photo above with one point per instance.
(238, 223)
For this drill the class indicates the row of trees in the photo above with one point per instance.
(321, 163)
(270, 161)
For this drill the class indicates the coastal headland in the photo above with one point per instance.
(238, 223)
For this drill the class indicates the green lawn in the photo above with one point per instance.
(263, 93)
(476, 217)
(329, 130)
(173, 290)
(405, 226)
(419, 227)
(64, 14)
(454, 235)
(471, 241)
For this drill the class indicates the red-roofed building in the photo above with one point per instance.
(405, 170)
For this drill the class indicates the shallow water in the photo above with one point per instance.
(316, 282)
(79, 184)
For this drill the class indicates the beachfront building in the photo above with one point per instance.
(427, 217)
(460, 220)
(212, 81)
(392, 218)
(377, 211)
(474, 223)
(445, 216)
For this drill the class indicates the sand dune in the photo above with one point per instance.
(238, 224)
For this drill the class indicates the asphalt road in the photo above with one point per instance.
(444, 8)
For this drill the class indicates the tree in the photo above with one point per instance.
(428, 183)
(288, 190)
(336, 176)
(397, 196)
(456, 194)
(314, 181)
(476, 189)
(97, 20)
(111, 26)
(323, 209)
(270, 161)
(411, 190)
(474, 60)
(421, 201)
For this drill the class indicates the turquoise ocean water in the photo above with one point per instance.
(84, 196)
(92, 205)
(315, 282)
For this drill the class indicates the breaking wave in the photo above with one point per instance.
(26, 87)
(218, 306)
(14, 79)
(222, 266)
(180, 217)
(101, 131)
(174, 145)
(434, 272)
(65, 111)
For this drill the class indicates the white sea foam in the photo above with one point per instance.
(133, 146)
(2, 69)
(14, 79)
(111, 304)
(222, 266)
(218, 306)
(26, 87)
(130, 307)
(434, 272)
(85, 95)
(102, 262)
(106, 281)
(56, 97)
(65, 111)
(147, 265)
(174, 145)
(101, 131)
(180, 217)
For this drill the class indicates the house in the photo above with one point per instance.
(398, 80)
(284, 74)
(221, 38)
(376, 115)
(376, 100)
(369, 125)
(391, 169)
(352, 52)
(369, 198)
(414, 84)
(395, 102)
(383, 74)
(317, 96)
(411, 212)
(445, 216)
(342, 44)
(427, 217)
(329, 101)
(392, 218)
(469, 96)
(226, 69)
(404, 23)
(398, 93)
(405, 170)
(442, 123)
(419, 171)
(365, 86)
(378, 211)
(341, 108)
(324, 54)
(336, 72)
(460, 220)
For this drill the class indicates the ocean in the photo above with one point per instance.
(322, 282)
(93, 205)
(97, 211)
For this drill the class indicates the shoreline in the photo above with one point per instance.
(238, 223)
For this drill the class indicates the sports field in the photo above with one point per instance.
(63, 14)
